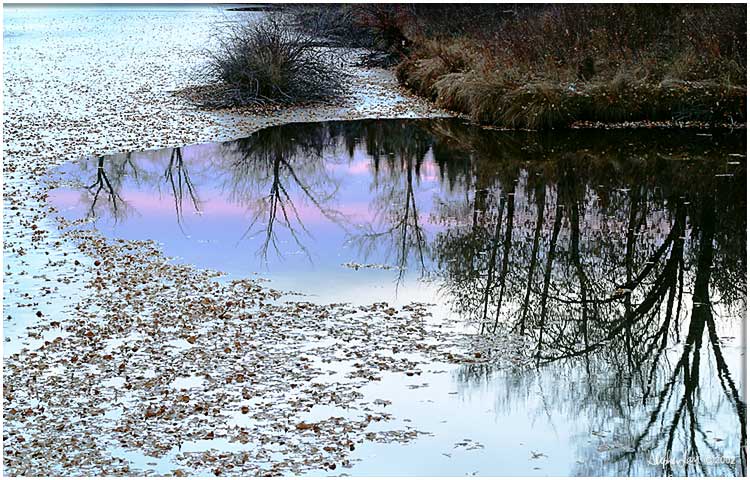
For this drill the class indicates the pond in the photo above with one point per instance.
(618, 255)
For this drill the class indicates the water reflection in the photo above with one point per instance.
(269, 175)
(177, 175)
(620, 255)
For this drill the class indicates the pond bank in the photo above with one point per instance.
(544, 67)
(547, 105)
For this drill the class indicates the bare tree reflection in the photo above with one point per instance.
(609, 300)
(398, 152)
(102, 183)
(104, 192)
(286, 163)
(540, 197)
(178, 176)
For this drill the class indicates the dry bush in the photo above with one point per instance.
(379, 28)
(388, 24)
(610, 36)
(336, 24)
(270, 62)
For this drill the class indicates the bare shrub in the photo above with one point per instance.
(270, 62)
(336, 24)
(388, 24)
(376, 27)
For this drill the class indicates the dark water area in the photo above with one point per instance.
(619, 255)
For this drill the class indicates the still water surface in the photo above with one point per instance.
(620, 254)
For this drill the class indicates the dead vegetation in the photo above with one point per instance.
(268, 61)
(550, 66)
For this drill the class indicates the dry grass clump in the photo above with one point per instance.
(421, 75)
(436, 60)
(458, 91)
(498, 99)
(536, 105)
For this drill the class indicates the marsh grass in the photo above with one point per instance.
(550, 66)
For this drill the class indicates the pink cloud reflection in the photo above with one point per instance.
(153, 204)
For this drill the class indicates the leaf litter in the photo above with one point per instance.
(255, 362)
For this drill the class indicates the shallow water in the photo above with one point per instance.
(619, 254)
